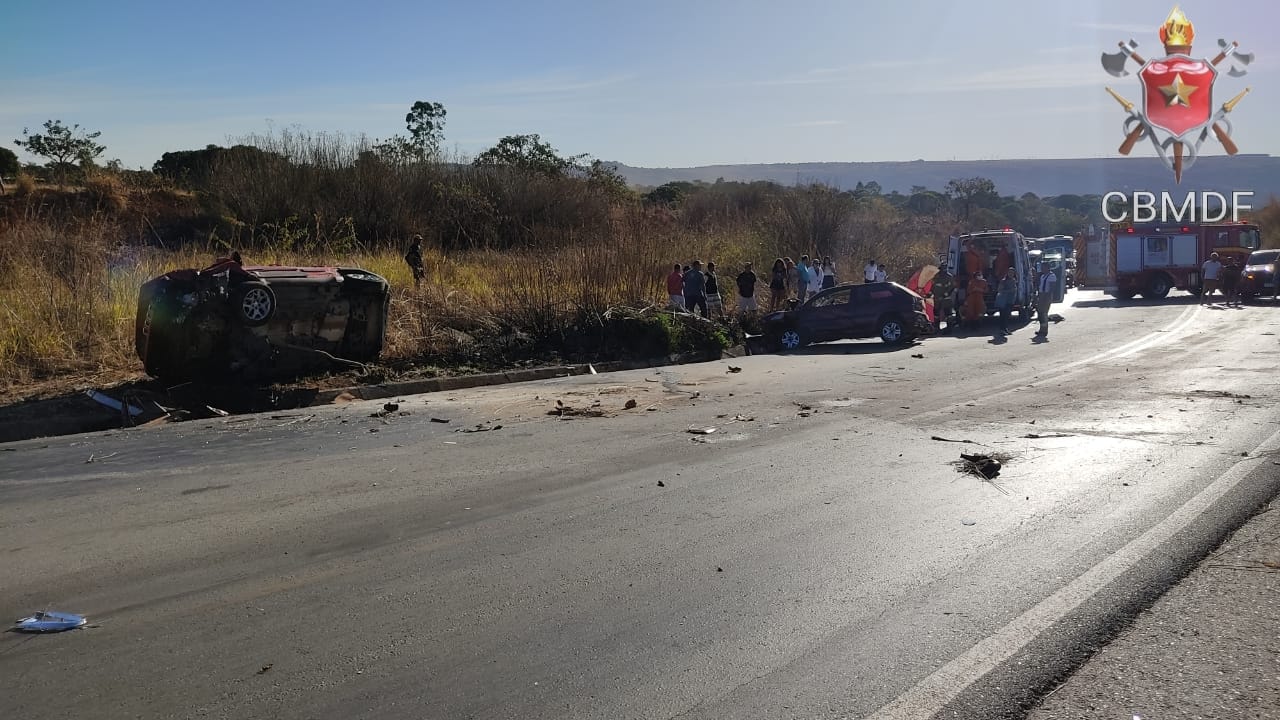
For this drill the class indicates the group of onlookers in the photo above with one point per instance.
(692, 288)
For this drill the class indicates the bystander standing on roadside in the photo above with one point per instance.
(715, 306)
(1046, 291)
(1209, 273)
(792, 276)
(881, 275)
(1231, 273)
(1005, 293)
(815, 277)
(414, 258)
(802, 279)
(675, 288)
(695, 289)
(828, 272)
(777, 284)
(747, 280)
(869, 272)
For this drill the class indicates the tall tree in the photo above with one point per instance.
(973, 192)
(527, 152)
(425, 123)
(62, 146)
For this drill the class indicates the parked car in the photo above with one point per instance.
(1259, 276)
(852, 311)
(258, 321)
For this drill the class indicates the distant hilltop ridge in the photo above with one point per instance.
(1259, 173)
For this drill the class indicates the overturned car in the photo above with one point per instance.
(255, 322)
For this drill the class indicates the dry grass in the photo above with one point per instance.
(71, 265)
(68, 297)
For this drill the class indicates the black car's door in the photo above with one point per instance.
(870, 302)
(827, 315)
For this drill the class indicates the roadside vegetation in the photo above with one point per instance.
(530, 256)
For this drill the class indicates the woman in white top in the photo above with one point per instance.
(815, 278)
(828, 272)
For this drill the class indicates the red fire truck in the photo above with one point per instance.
(1150, 260)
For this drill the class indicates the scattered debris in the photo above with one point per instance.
(985, 466)
(112, 403)
(592, 368)
(631, 404)
(94, 458)
(482, 427)
(264, 669)
(1039, 436)
(218, 412)
(1220, 394)
(719, 569)
(45, 622)
(562, 410)
(661, 484)
(919, 356)
(701, 430)
(968, 522)
(389, 408)
(740, 418)
(942, 439)
(733, 369)
(439, 420)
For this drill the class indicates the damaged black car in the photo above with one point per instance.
(256, 322)
(849, 312)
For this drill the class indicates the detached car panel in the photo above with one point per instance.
(852, 311)
(258, 321)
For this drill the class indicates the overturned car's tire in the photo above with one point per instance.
(253, 302)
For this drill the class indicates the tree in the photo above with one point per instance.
(62, 146)
(528, 153)
(9, 165)
(973, 192)
(425, 123)
(398, 150)
(605, 176)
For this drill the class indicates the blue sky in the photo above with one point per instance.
(653, 84)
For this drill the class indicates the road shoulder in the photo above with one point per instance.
(1207, 649)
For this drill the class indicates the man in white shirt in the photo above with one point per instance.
(881, 275)
(1047, 289)
(1209, 274)
(869, 272)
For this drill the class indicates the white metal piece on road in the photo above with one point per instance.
(931, 695)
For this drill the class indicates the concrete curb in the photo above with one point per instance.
(463, 382)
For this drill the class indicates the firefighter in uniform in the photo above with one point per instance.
(944, 293)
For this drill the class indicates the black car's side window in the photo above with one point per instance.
(835, 298)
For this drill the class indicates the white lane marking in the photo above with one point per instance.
(931, 694)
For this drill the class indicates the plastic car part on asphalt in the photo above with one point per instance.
(47, 622)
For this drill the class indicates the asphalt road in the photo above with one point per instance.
(816, 556)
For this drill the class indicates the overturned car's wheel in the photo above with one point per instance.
(254, 303)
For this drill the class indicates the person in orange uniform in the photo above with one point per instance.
(975, 300)
(1004, 261)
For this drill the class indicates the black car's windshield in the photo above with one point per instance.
(1264, 258)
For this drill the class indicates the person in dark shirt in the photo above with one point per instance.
(715, 306)
(414, 259)
(695, 289)
(747, 280)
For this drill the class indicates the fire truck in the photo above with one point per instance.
(1151, 259)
